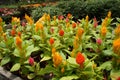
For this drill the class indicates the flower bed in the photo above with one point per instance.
(61, 49)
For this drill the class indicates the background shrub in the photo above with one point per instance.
(81, 8)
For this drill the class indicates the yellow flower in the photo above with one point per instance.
(19, 42)
(103, 31)
(48, 17)
(76, 43)
(57, 59)
(54, 17)
(87, 19)
(15, 20)
(109, 14)
(117, 31)
(4, 36)
(1, 29)
(38, 26)
(53, 51)
(29, 19)
(104, 22)
(67, 24)
(116, 46)
(73, 52)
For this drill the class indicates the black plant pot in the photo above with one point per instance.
(6, 75)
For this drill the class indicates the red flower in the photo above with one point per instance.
(95, 22)
(60, 17)
(118, 78)
(19, 34)
(31, 61)
(74, 25)
(99, 41)
(61, 32)
(80, 59)
(23, 23)
(13, 32)
(51, 41)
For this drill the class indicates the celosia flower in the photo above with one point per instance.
(29, 19)
(118, 78)
(1, 20)
(74, 25)
(67, 24)
(19, 34)
(87, 19)
(60, 17)
(80, 32)
(99, 41)
(52, 30)
(51, 41)
(4, 36)
(54, 17)
(23, 24)
(76, 43)
(57, 59)
(16, 20)
(104, 22)
(61, 32)
(53, 51)
(38, 26)
(80, 59)
(48, 17)
(116, 46)
(95, 23)
(31, 61)
(109, 14)
(18, 42)
(1, 29)
(103, 31)
(117, 31)
(66, 20)
(69, 15)
(62, 70)
(13, 32)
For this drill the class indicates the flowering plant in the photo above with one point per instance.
(60, 48)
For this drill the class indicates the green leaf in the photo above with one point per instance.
(106, 65)
(31, 76)
(16, 53)
(72, 61)
(30, 68)
(45, 58)
(48, 69)
(36, 37)
(69, 77)
(5, 60)
(15, 67)
(108, 52)
(115, 74)
(31, 49)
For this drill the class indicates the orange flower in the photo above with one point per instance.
(103, 31)
(117, 31)
(80, 59)
(109, 14)
(74, 25)
(38, 26)
(29, 19)
(13, 32)
(80, 32)
(51, 41)
(116, 46)
(18, 42)
(1, 29)
(53, 51)
(57, 59)
(1, 20)
(104, 22)
(69, 15)
(62, 69)
(61, 32)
